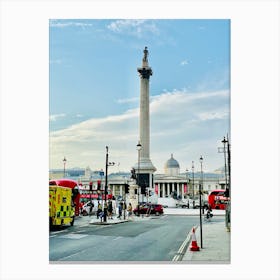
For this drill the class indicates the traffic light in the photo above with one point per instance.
(226, 194)
(98, 185)
(133, 175)
(90, 186)
(126, 188)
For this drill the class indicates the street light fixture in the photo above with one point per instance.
(138, 147)
(64, 163)
(200, 192)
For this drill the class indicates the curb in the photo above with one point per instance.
(106, 223)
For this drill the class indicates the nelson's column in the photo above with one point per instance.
(144, 167)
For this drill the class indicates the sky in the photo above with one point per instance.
(94, 91)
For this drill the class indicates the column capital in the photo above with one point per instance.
(145, 72)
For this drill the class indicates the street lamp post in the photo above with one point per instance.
(138, 147)
(193, 178)
(64, 163)
(229, 175)
(200, 191)
(124, 208)
(187, 177)
(227, 217)
(106, 183)
(224, 141)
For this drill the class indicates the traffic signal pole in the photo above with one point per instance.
(106, 186)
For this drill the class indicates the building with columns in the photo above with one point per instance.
(185, 185)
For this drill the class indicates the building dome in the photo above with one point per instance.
(172, 166)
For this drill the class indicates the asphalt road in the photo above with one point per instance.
(157, 239)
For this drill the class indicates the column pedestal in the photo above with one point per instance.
(132, 197)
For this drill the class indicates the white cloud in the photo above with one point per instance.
(184, 62)
(186, 124)
(135, 27)
(54, 118)
(213, 115)
(65, 23)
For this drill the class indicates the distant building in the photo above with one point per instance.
(171, 183)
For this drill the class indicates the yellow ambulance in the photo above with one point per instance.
(61, 207)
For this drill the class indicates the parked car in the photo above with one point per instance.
(182, 204)
(149, 208)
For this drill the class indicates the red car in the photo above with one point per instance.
(149, 208)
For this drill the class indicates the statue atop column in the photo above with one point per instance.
(145, 58)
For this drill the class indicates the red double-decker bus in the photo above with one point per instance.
(217, 199)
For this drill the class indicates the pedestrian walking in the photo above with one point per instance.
(124, 208)
(99, 209)
(91, 207)
(110, 209)
(120, 210)
(129, 210)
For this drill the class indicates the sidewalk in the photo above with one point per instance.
(216, 244)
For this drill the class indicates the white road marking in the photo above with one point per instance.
(182, 249)
(73, 236)
(80, 252)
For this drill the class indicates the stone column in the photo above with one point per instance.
(163, 190)
(146, 166)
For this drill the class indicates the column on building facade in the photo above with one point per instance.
(163, 189)
(182, 189)
(177, 189)
(168, 189)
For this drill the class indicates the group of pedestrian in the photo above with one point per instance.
(127, 209)
(123, 210)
